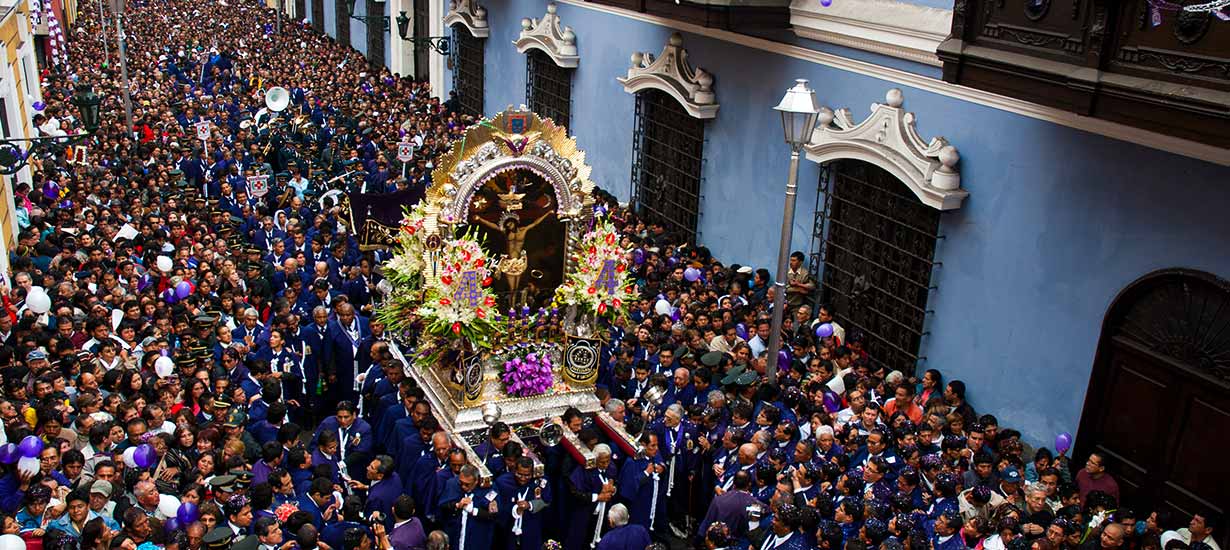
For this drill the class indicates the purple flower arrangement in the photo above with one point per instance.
(528, 376)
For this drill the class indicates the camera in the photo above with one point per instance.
(374, 519)
(755, 512)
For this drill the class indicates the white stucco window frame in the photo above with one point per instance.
(888, 27)
(549, 36)
(671, 73)
(469, 14)
(888, 138)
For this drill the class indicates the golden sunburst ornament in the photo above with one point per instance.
(517, 134)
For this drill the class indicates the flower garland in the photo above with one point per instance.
(457, 299)
(601, 282)
(404, 272)
(529, 376)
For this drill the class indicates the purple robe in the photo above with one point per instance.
(585, 484)
(628, 537)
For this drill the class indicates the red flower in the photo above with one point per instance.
(480, 313)
(456, 328)
(448, 281)
(602, 308)
(489, 301)
(445, 301)
(593, 249)
(487, 281)
(610, 238)
(457, 266)
(480, 262)
(619, 268)
(465, 254)
(591, 290)
(616, 302)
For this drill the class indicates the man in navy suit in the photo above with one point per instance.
(946, 536)
(315, 337)
(785, 533)
(346, 334)
(354, 437)
(318, 503)
(385, 487)
(677, 444)
(877, 447)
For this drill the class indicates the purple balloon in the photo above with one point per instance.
(145, 456)
(9, 453)
(824, 330)
(675, 314)
(182, 290)
(826, 3)
(741, 330)
(638, 256)
(39, 105)
(187, 513)
(783, 360)
(172, 525)
(168, 296)
(31, 446)
(831, 404)
(691, 274)
(671, 261)
(1063, 442)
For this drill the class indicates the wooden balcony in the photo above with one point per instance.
(731, 15)
(1166, 71)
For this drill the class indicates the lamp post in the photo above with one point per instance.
(102, 23)
(117, 9)
(438, 44)
(13, 159)
(799, 110)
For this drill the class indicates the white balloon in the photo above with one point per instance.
(27, 465)
(129, 460)
(39, 302)
(164, 264)
(663, 307)
(164, 366)
(12, 542)
(168, 506)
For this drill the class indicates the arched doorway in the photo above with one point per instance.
(1158, 404)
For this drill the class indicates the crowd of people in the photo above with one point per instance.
(226, 323)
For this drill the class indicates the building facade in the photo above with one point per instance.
(19, 90)
(1018, 246)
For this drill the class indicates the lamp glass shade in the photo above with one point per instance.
(403, 24)
(799, 110)
(349, 7)
(87, 103)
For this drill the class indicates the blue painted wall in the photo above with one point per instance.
(1058, 220)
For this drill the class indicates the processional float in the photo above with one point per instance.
(504, 280)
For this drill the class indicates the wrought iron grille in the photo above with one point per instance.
(421, 21)
(341, 22)
(318, 15)
(667, 155)
(468, 71)
(877, 245)
(548, 88)
(376, 33)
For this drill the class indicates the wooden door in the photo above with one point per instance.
(1158, 404)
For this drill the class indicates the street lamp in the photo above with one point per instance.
(13, 159)
(799, 110)
(367, 20)
(438, 44)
